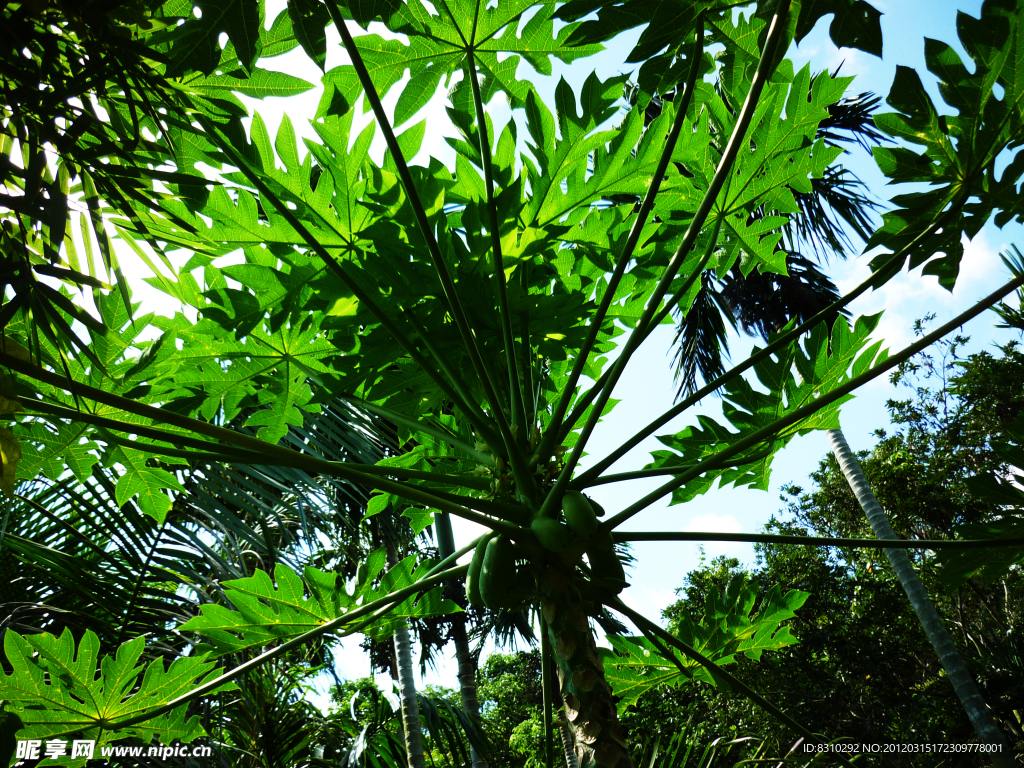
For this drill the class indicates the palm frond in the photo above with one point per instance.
(701, 341)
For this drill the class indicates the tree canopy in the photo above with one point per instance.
(393, 340)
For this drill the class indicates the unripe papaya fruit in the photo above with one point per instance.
(607, 568)
(521, 589)
(473, 576)
(578, 513)
(598, 509)
(552, 534)
(498, 573)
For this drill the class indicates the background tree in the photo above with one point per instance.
(856, 638)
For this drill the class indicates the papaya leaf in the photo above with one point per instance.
(806, 371)
(309, 18)
(733, 624)
(259, 84)
(196, 45)
(266, 611)
(147, 485)
(498, 35)
(57, 689)
(955, 155)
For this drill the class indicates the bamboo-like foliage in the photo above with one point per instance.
(467, 305)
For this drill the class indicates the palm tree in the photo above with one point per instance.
(962, 681)
(464, 658)
(761, 303)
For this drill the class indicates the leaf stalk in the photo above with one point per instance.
(554, 432)
(776, 31)
(523, 476)
(770, 430)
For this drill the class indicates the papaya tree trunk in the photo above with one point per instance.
(964, 685)
(599, 741)
(407, 685)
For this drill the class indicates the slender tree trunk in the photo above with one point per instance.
(964, 685)
(467, 664)
(598, 739)
(407, 686)
(568, 743)
(467, 681)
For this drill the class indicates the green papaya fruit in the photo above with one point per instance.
(498, 572)
(552, 534)
(473, 576)
(579, 514)
(598, 509)
(521, 589)
(607, 568)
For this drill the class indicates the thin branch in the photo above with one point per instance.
(519, 424)
(523, 476)
(817, 541)
(772, 429)
(467, 406)
(636, 230)
(776, 32)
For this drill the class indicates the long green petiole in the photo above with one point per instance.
(769, 431)
(516, 460)
(640, 474)
(515, 384)
(776, 32)
(783, 340)
(636, 230)
(419, 425)
(295, 642)
(362, 474)
(817, 541)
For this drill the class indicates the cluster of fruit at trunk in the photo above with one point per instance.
(545, 563)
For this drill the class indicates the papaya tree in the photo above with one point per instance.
(475, 306)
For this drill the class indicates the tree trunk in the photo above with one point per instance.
(568, 743)
(467, 681)
(964, 685)
(599, 740)
(407, 686)
(467, 664)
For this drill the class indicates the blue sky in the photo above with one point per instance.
(647, 388)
